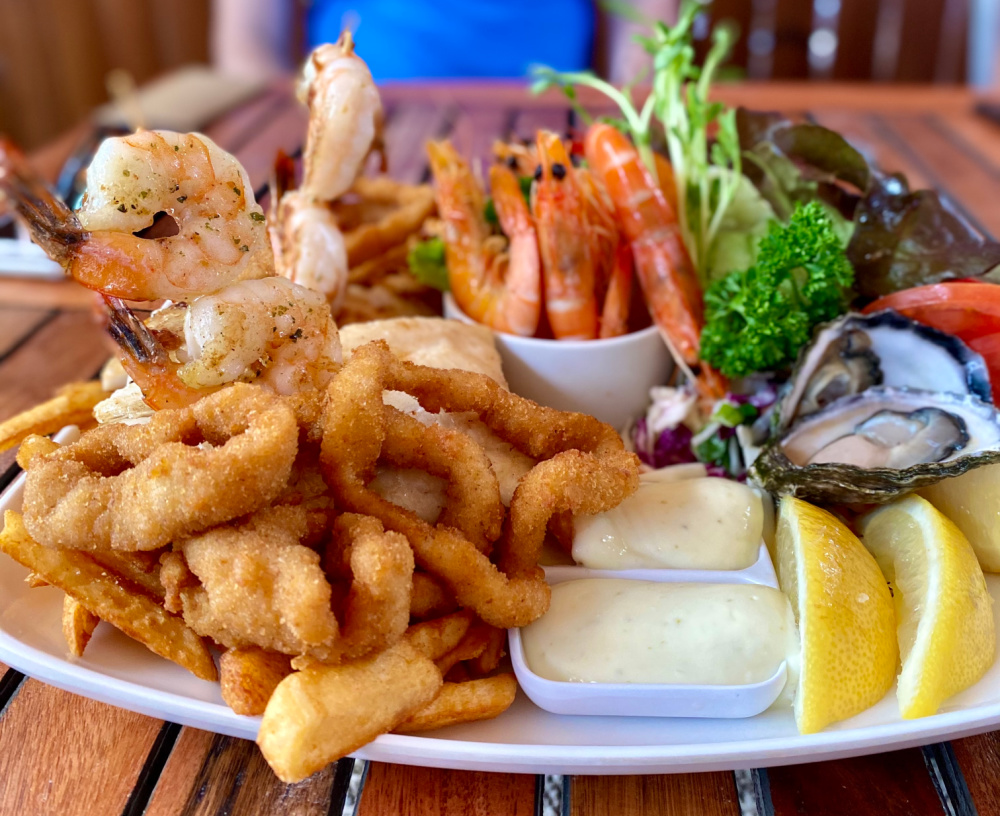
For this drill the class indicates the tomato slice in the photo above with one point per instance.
(968, 310)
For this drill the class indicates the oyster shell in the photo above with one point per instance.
(874, 446)
(857, 352)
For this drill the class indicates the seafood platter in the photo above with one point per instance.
(312, 512)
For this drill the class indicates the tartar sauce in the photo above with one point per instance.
(611, 630)
(704, 523)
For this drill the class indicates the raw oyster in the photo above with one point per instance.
(857, 352)
(874, 446)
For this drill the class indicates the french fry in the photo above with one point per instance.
(490, 657)
(78, 625)
(34, 580)
(325, 712)
(377, 267)
(429, 598)
(470, 647)
(138, 616)
(368, 240)
(141, 568)
(249, 677)
(73, 405)
(435, 638)
(465, 702)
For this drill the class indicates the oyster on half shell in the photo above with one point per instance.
(857, 352)
(879, 444)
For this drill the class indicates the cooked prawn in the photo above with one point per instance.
(345, 119)
(270, 331)
(567, 258)
(495, 282)
(662, 263)
(220, 239)
(611, 253)
(614, 313)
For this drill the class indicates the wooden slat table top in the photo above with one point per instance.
(62, 754)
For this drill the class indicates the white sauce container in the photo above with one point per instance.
(659, 700)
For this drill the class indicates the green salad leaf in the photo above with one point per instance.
(895, 238)
(426, 261)
(744, 224)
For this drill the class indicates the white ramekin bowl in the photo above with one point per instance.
(609, 379)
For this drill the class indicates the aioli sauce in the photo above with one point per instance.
(702, 523)
(612, 630)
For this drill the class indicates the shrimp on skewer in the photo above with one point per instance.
(494, 282)
(259, 329)
(662, 263)
(345, 120)
(221, 236)
(269, 331)
(567, 259)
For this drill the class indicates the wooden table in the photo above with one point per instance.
(63, 754)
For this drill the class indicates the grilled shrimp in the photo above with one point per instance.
(567, 255)
(345, 119)
(221, 236)
(495, 282)
(268, 331)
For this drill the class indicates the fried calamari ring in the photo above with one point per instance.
(377, 609)
(473, 505)
(139, 487)
(587, 470)
(259, 586)
(356, 428)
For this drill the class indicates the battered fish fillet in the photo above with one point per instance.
(260, 586)
(430, 341)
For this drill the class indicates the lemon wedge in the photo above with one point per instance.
(844, 612)
(944, 611)
(970, 500)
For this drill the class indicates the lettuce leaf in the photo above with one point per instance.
(895, 238)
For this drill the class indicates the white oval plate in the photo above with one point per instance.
(525, 739)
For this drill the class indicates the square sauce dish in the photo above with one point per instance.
(663, 641)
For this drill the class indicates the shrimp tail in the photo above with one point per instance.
(131, 334)
(146, 361)
(53, 225)
(282, 177)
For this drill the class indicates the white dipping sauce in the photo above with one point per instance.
(704, 523)
(611, 630)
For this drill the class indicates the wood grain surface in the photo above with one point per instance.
(979, 761)
(892, 784)
(400, 790)
(213, 775)
(706, 794)
(63, 754)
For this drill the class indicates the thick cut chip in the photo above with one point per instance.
(249, 677)
(435, 638)
(323, 713)
(465, 702)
